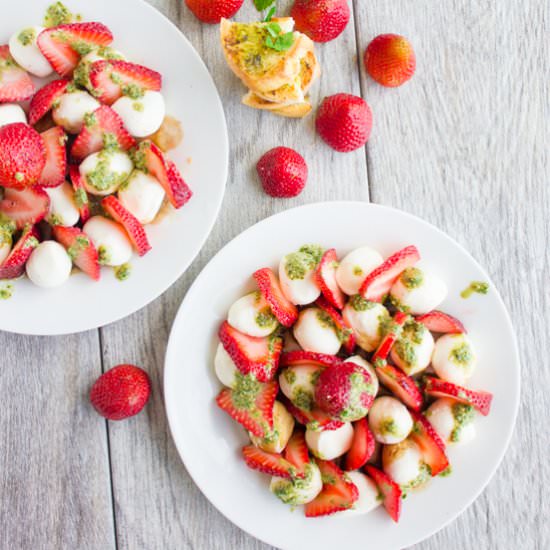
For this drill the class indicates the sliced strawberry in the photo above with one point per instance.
(285, 311)
(325, 276)
(437, 321)
(391, 336)
(28, 206)
(391, 492)
(114, 78)
(430, 444)
(379, 282)
(345, 332)
(268, 463)
(55, 169)
(80, 249)
(80, 195)
(400, 385)
(338, 493)
(103, 126)
(15, 83)
(255, 411)
(362, 446)
(314, 419)
(133, 227)
(300, 357)
(14, 265)
(296, 452)
(480, 400)
(45, 98)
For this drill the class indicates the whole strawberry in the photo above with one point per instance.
(121, 392)
(212, 11)
(344, 121)
(390, 60)
(283, 172)
(321, 20)
(345, 392)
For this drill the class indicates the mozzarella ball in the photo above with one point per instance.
(283, 425)
(25, 50)
(330, 444)
(11, 113)
(367, 319)
(110, 239)
(389, 420)
(355, 267)
(368, 495)
(104, 172)
(49, 265)
(142, 196)
(142, 117)
(314, 331)
(252, 315)
(225, 368)
(412, 352)
(298, 384)
(403, 463)
(71, 109)
(418, 291)
(358, 360)
(297, 276)
(63, 209)
(454, 358)
(5, 245)
(298, 491)
(453, 421)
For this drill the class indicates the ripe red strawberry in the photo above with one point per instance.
(345, 332)
(480, 400)
(283, 172)
(133, 227)
(14, 265)
(362, 446)
(22, 155)
(325, 276)
(103, 124)
(15, 83)
(285, 311)
(110, 79)
(338, 492)
(254, 413)
(121, 392)
(379, 282)
(391, 492)
(55, 169)
(401, 385)
(80, 195)
(314, 419)
(44, 99)
(268, 463)
(80, 248)
(28, 206)
(391, 336)
(297, 453)
(212, 11)
(390, 60)
(437, 321)
(300, 357)
(63, 45)
(430, 444)
(321, 20)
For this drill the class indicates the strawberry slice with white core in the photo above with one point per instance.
(362, 446)
(45, 98)
(345, 332)
(299, 357)
(325, 275)
(15, 83)
(28, 206)
(379, 282)
(401, 385)
(80, 249)
(267, 463)
(285, 311)
(14, 265)
(480, 400)
(297, 453)
(135, 230)
(315, 419)
(55, 169)
(443, 323)
(391, 492)
(430, 444)
(385, 346)
(80, 195)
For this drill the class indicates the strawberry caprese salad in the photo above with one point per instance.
(349, 381)
(83, 165)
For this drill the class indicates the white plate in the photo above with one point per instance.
(146, 37)
(209, 441)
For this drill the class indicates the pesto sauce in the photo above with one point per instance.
(246, 391)
(265, 318)
(123, 272)
(303, 399)
(103, 256)
(6, 292)
(461, 355)
(412, 277)
(81, 243)
(478, 287)
(463, 415)
(80, 197)
(289, 376)
(288, 490)
(27, 36)
(57, 14)
(102, 177)
(299, 264)
(358, 303)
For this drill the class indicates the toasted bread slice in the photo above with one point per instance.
(295, 110)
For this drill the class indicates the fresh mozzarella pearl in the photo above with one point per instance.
(418, 291)
(142, 196)
(5, 245)
(142, 117)
(403, 463)
(283, 426)
(355, 267)
(297, 277)
(413, 350)
(358, 360)
(330, 444)
(49, 265)
(298, 384)
(452, 421)
(389, 420)
(104, 172)
(110, 239)
(224, 367)
(298, 491)
(368, 495)
(454, 358)
(313, 333)
(252, 315)
(367, 320)
(63, 210)
(25, 50)
(10, 113)
(71, 110)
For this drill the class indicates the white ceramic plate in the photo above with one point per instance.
(146, 37)
(209, 441)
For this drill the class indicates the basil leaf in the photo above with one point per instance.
(270, 14)
(274, 29)
(283, 42)
(261, 5)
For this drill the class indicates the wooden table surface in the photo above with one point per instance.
(464, 145)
